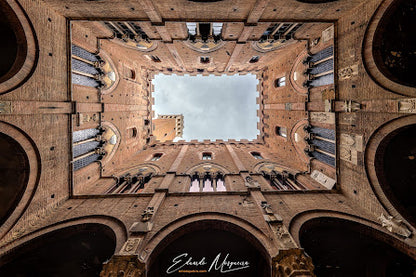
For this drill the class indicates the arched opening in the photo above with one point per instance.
(78, 250)
(394, 42)
(343, 248)
(204, 248)
(396, 170)
(13, 46)
(14, 174)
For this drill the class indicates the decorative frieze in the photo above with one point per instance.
(348, 72)
(322, 117)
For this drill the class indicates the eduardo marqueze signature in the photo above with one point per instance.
(223, 266)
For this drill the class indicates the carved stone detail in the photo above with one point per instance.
(328, 33)
(292, 262)
(131, 245)
(322, 117)
(324, 180)
(282, 234)
(348, 72)
(123, 266)
(395, 226)
(350, 145)
(351, 106)
(407, 105)
(5, 107)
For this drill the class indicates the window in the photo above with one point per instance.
(132, 132)
(204, 60)
(280, 82)
(257, 155)
(155, 59)
(156, 157)
(254, 59)
(281, 131)
(206, 156)
(208, 182)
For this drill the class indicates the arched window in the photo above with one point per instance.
(132, 132)
(257, 155)
(208, 182)
(130, 183)
(280, 82)
(321, 68)
(87, 147)
(282, 180)
(322, 145)
(156, 157)
(281, 131)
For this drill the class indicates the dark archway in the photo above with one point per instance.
(14, 174)
(394, 42)
(343, 248)
(14, 44)
(208, 244)
(78, 250)
(396, 170)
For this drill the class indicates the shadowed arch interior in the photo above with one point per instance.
(394, 42)
(208, 240)
(14, 174)
(396, 170)
(342, 248)
(78, 250)
(13, 46)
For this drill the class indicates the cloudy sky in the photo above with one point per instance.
(214, 107)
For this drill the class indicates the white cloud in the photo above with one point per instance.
(214, 107)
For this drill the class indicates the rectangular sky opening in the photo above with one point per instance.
(213, 107)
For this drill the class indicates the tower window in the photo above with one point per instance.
(280, 82)
(204, 60)
(257, 155)
(133, 132)
(281, 131)
(156, 156)
(254, 59)
(206, 156)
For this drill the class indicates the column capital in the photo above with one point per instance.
(123, 266)
(292, 262)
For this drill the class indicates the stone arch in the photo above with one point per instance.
(111, 72)
(345, 245)
(19, 46)
(20, 149)
(111, 147)
(207, 167)
(298, 68)
(379, 45)
(88, 242)
(388, 157)
(203, 222)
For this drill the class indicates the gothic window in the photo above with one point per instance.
(257, 155)
(85, 68)
(207, 156)
(322, 145)
(130, 183)
(282, 180)
(87, 147)
(208, 182)
(280, 82)
(321, 68)
(281, 131)
(156, 156)
(254, 59)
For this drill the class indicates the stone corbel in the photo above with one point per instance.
(395, 226)
(123, 266)
(291, 263)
